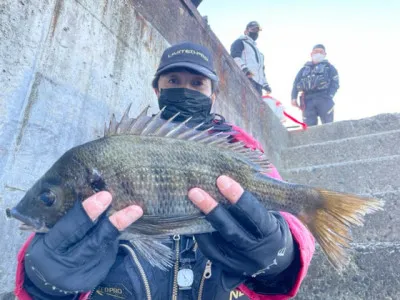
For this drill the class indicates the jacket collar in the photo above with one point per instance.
(310, 63)
(248, 39)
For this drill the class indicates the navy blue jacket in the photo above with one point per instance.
(320, 79)
(133, 278)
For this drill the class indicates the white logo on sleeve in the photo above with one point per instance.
(282, 252)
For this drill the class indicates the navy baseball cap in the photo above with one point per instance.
(188, 55)
(253, 24)
(319, 46)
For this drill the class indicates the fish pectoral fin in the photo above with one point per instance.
(156, 253)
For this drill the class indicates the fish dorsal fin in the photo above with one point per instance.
(145, 125)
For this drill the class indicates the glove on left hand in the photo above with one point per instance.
(249, 241)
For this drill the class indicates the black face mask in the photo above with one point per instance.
(253, 35)
(188, 102)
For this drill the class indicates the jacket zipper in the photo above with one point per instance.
(206, 275)
(254, 49)
(141, 271)
(176, 267)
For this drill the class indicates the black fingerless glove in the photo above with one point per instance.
(74, 256)
(250, 241)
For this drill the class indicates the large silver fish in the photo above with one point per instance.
(153, 163)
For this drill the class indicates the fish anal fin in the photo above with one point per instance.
(148, 233)
(156, 253)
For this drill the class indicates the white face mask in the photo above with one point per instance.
(318, 57)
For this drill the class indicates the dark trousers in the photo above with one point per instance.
(318, 106)
(257, 86)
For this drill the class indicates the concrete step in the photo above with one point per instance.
(382, 226)
(366, 176)
(342, 150)
(345, 129)
(373, 274)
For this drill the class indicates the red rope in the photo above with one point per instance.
(278, 103)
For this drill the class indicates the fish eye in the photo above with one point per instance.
(48, 198)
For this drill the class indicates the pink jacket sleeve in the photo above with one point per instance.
(19, 280)
(299, 232)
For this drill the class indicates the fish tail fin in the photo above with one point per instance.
(330, 222)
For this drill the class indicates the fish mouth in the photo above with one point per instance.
(28, 223)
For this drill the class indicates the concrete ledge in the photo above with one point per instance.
(359, 177)
(345, 129)
(373, 274)
(343, 150)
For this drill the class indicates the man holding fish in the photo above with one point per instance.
(117, 244)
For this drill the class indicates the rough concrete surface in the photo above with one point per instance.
(348, 149)
(65, 68)
(361, 177)
(384, 225)
(360, 157)
(372, 275)
(345, 129)
(7, 296)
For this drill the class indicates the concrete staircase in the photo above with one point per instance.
(361, 157)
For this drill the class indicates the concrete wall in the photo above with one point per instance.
(66, 66)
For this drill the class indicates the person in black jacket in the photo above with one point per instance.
(318, 81)
(249, 58)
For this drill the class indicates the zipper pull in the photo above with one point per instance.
(176, 237)
(207, 270)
